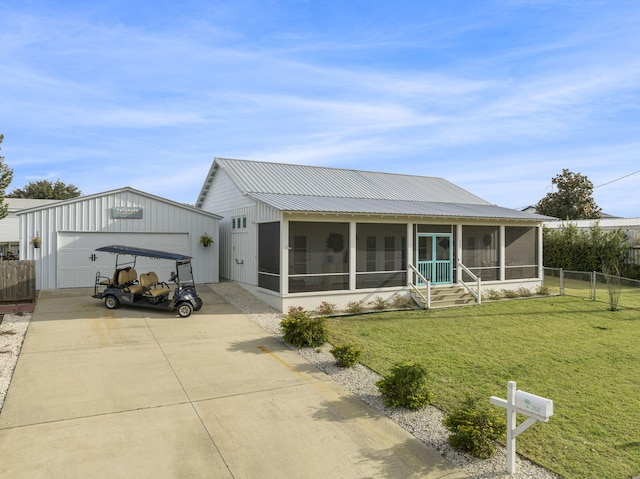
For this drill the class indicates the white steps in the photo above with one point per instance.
(446, 296)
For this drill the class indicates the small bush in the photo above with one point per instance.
(524, 292)
(492, 294)
(543, 291)
(405, 386)
(327, 308)
(346, 356)
(378, 303)
(295, 310)
(509, 293)
(475, 428)
(301, 330)
(400, 302)
(354, 307)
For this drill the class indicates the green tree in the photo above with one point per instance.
(6, 175)
(573, 199)
(46, 190)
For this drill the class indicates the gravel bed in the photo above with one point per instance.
(13, 328)
(425, 424)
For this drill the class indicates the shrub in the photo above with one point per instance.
(346, 356)
(301, 330)
(475, 428)
(492, 294)
(327, 308)
(543, 291)
(583, 250)
(378, 303)
(524, 292)
(509, 293)
(354, 307)
(406, 386)
(295, 310)
(400, 302)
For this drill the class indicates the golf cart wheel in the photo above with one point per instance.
(184, 310)
(111, 302)
(198, 304)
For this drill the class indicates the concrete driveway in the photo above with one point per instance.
(137, 393)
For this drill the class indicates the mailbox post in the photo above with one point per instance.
(536, 409)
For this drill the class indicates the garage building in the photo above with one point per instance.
(71, 230)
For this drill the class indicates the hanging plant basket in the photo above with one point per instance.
(36, 241)
(206, 240)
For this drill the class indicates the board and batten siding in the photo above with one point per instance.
(238, 248)
(94, 214)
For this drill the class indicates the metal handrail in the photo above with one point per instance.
(427, 298)
(478, 294)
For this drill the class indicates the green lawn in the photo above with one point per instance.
(571, 350)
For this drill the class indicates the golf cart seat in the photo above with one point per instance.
(151, 286)
(127, 280)
(112, 281)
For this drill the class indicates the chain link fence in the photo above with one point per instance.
(594, 286)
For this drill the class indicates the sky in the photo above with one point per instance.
(496, 96)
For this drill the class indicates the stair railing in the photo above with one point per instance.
(426, 298)
(478, 292)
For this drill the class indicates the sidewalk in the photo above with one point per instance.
(142, 393)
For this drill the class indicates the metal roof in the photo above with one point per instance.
(316, 204)
(18, 204)
(279, 178)
(300, 188)
(126, 189)
(604, 223)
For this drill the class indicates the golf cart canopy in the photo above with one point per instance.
(144, 252)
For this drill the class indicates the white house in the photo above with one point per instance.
(10, 225)
(299, 235)
(71, 230)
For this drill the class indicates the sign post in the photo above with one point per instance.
(536, 409)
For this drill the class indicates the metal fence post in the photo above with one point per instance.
(593, 285)
(561, 282)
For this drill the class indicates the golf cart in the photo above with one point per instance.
(125, 287)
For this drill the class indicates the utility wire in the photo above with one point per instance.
(603, 184)
(617, 179)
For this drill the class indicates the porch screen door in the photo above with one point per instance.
(434, 257)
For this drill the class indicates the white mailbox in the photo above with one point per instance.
(532, 405)
(536, 408)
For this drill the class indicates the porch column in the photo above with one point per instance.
(540, 254)
(458, 247)
(284, 256)
(411, 259)
(502, 249)
(352, 255)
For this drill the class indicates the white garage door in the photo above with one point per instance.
(78, 262)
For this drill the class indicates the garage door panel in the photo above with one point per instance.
(78, 262)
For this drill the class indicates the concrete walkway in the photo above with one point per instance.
(138, 393)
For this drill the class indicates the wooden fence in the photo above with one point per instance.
(17, 281)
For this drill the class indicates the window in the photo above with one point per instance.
(269, 256)
(239, 222)
(521, 252)
(389, 253)
(371, 253)
(318, 256)
(481, 251)
(381, 258)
